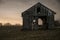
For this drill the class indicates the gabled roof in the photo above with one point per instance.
(40, 5)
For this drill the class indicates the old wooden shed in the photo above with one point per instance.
(38, 11)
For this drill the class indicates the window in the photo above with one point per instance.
(38, 9)
(34, 20)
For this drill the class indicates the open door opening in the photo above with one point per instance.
(40, 22)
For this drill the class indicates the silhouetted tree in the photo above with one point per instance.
(17, 25)
(7, 24)
(57, 23)
(0, 24)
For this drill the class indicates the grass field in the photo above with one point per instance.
(15, 33)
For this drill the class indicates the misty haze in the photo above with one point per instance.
(13, 25)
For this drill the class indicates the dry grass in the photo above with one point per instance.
(29, 35)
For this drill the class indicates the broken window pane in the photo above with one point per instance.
(38, 9)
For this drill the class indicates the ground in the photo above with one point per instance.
(15, 33)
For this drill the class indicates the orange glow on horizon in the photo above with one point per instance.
(13, 22)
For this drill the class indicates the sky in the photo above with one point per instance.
(10, 10)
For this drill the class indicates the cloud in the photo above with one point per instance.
(25, 0)
(0, 1)
(25, 4)
(58, 1)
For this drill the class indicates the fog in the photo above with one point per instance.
(10, 10)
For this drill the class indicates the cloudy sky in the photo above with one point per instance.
(10, 10)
